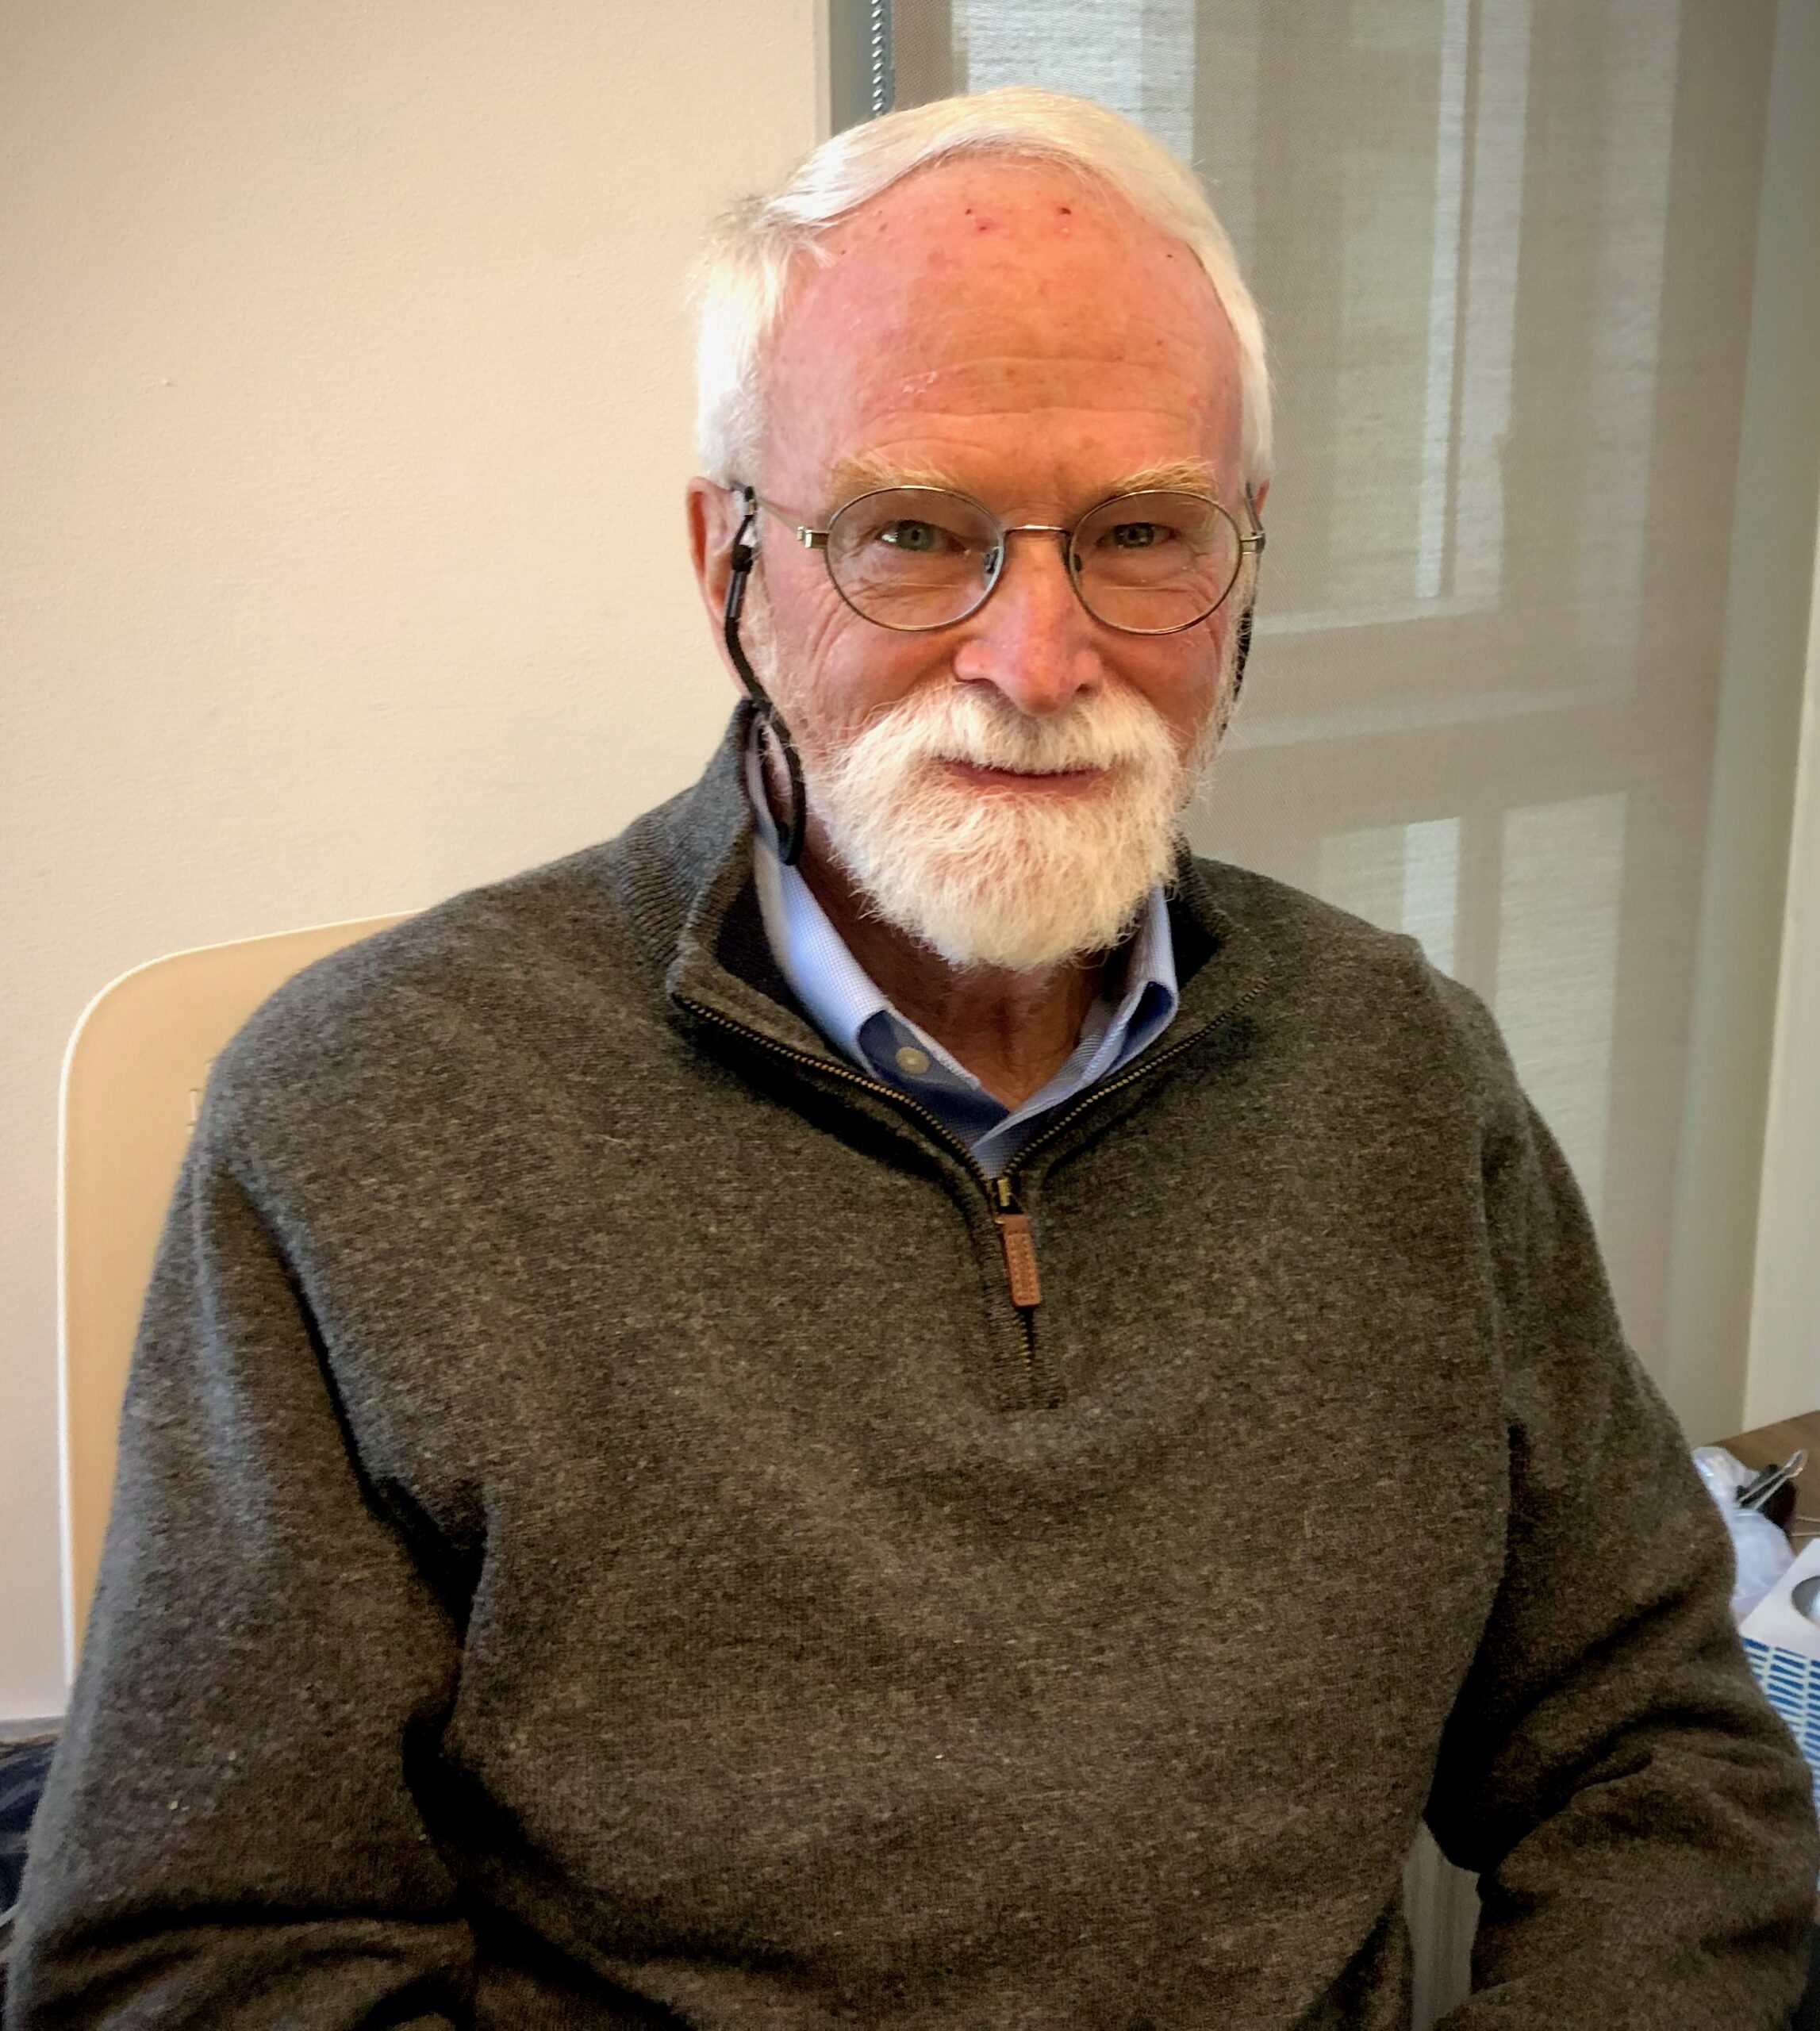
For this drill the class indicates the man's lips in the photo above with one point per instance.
(1051, 783)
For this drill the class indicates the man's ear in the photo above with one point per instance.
(714, 521)
(711, 529)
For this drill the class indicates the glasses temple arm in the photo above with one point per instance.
(741, 558)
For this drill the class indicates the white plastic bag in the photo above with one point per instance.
(1760, 1554)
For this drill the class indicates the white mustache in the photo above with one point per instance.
(1107, 731)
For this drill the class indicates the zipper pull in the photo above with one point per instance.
(1019, 1248)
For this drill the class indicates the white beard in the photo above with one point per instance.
(1003, 878)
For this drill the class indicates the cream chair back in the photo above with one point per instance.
(133, 1082)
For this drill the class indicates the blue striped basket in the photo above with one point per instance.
(1791, 1684)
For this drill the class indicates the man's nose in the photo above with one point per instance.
(1032, 638)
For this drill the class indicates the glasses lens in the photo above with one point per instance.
(913, 557)
(1151, 563)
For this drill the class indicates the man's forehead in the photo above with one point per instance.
(978, 291)
(1030, 253)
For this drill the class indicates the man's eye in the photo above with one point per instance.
(923, 538)
(1137, 535)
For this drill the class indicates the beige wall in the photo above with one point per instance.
(344, 407)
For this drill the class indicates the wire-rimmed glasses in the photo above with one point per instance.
(916, 557)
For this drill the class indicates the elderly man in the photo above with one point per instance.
(723, 1432)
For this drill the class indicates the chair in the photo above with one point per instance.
(133, 1082)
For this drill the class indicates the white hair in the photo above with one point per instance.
(742, 282)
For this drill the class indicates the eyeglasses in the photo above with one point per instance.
(916, 557)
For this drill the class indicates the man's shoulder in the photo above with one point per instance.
(474, 986)
(1287, 916)
(1296, 933)
(604, 920)
(454, 948)
(1345, 973)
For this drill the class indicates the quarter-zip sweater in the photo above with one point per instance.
(610, 1533)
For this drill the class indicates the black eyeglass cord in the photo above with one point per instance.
(771, 721)
(1242, 650)
(1240, 653)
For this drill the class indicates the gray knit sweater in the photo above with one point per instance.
(598, 1542)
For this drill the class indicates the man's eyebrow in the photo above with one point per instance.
(1173, 476)
(870, 473)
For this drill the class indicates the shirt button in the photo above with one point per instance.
(912, 1059)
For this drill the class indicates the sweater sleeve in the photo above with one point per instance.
(1641, 1821)
(231, 1835)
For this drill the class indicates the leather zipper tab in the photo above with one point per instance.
(1020, 1261)
(1020, 1247)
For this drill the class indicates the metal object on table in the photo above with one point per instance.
(1770, 1490)
(1757, 1490)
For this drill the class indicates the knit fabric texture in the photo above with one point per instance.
(597, 1544)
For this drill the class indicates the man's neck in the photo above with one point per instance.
(1013, 1030)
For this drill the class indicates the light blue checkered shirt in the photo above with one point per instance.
(857, 1019)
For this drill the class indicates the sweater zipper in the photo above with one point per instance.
(1017, 1249)
(1017, 1245)
(1015, 1237)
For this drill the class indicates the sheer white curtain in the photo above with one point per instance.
(1506, 255)
(1505, 251)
